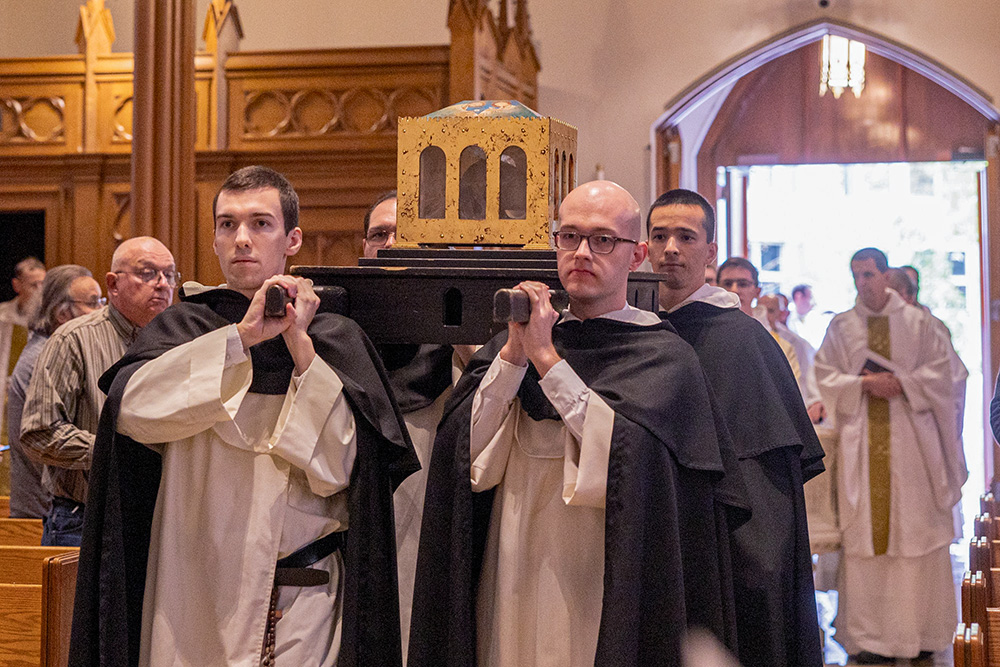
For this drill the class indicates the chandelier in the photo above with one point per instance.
(842, 67)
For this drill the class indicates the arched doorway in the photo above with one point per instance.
(763, 107)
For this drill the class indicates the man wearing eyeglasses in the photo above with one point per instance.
(591, 493)
(739, 276)
(259, 454)
(63, 403)
(774, 439)
(380, 224)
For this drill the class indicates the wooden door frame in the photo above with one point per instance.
(665, 166)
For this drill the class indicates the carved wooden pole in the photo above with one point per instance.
(222, 35)
(163, 122)
(95, 33)
(463, 21)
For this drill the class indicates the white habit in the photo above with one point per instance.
(902, 602)
(542, 583)
(247, 478)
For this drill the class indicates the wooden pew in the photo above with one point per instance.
(36, 604)
(981, 589)
(4, 507)
(21, 532)
(58, 591)
(20, 625)
(968, 648)
(23, 565)
(987, 504)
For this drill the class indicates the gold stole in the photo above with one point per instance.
(878, 442)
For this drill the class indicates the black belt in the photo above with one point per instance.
(67, 502)
(294, 570)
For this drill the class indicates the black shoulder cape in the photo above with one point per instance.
(664, 565)
(125, 477)
(778, 450)
(752, 381)
(418, 374)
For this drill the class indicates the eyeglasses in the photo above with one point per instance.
(153, 275)
(379, 237)
(737, 283)
(600, 244)
(95, 303)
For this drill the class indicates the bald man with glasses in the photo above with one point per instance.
(63, 402)
(570, 502)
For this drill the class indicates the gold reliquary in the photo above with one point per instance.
(488, 173)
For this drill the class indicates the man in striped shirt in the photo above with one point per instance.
(63, 403)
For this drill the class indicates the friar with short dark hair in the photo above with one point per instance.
(240, 510)
(774, 439)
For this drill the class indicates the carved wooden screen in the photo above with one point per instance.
(325, 118)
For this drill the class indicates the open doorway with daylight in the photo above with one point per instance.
(804, 222)
(828, 139)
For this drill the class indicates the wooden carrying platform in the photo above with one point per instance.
(446, 296)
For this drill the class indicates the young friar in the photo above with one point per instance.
(240, 510)
(775, 441)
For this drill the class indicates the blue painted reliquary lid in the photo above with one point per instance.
(486, 109)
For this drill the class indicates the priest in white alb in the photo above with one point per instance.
(885, 374)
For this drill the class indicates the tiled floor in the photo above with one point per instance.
(826, 602)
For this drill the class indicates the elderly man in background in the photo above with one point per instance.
(63, 402)
(68, 292)
(15, 316)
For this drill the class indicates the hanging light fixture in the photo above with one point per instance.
(842, 67)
